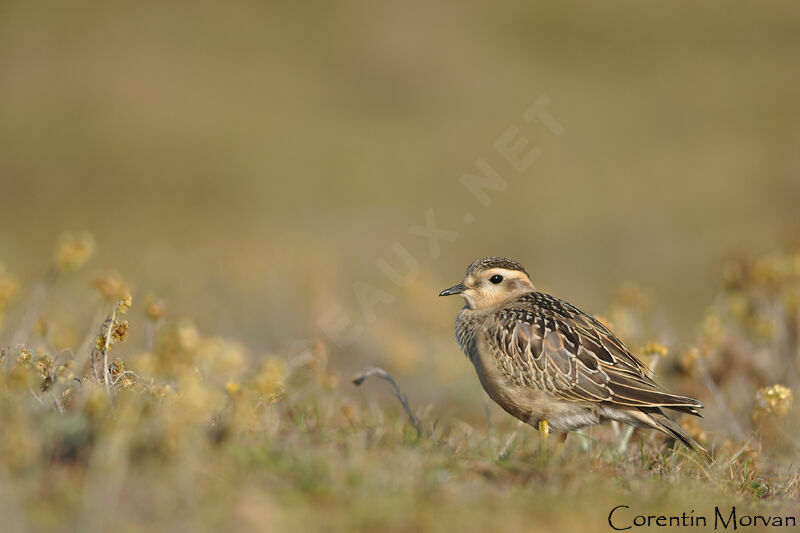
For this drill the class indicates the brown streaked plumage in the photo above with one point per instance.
(543, 360)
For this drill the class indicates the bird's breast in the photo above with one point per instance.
(526, 403)
(519, 402)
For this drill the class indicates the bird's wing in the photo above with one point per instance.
(548, 344)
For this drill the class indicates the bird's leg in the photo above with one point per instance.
(544, 431)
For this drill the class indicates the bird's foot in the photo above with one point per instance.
(544, 432)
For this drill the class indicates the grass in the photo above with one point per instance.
(189, 431)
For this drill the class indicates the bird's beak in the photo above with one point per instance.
(455, 289)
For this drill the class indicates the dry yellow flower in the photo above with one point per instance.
(269, 380)
(775, 400)
(25, 357)
(232, 387)
(73, 252)
(655, 348)
(712, 328)
(44, 365)
(689, 361)
(187, 335)
(220, 356)
(124, 305)
(67, 399)
(64, 371)
(176, 341)
(153, 308)
(120, 331)
(112, 287)
(116, 368)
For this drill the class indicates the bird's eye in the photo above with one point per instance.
(497, 278)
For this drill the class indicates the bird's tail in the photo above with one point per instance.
(666, 425)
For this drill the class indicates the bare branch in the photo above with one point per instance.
(358, 379)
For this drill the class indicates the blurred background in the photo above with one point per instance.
(249, 162)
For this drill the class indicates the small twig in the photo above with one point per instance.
(126, 373)
(105, 353)
(504, 452)
(150, 335)
(358, 379)
(741, 451)
(36, 396)
(626, 433)
(59, 405)
(109, 325)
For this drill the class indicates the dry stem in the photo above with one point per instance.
(358, 379)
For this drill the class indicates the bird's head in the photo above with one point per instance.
(491, 281)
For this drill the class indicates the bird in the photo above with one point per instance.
(552, 366)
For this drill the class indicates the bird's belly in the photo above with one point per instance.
(531, 405)
(573, 418)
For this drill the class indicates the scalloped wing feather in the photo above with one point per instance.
(548, 344)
